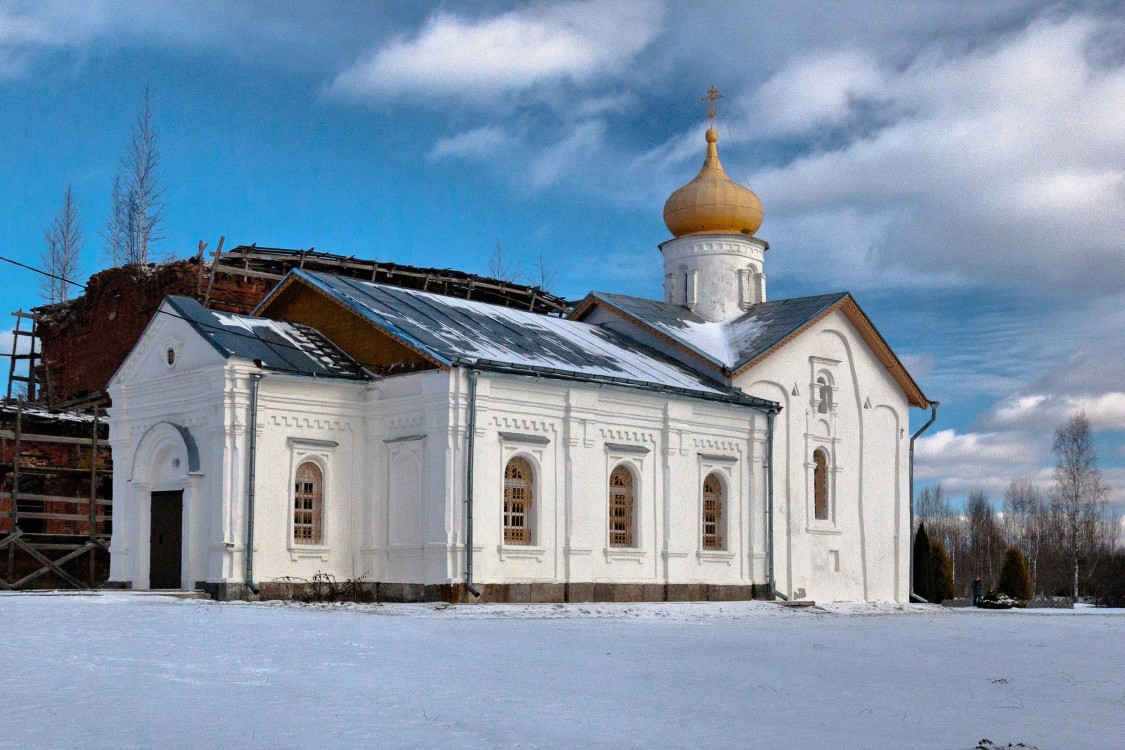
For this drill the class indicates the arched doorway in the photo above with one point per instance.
(164, 458)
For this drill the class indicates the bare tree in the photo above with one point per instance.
(137, 212)
(61, 254)
(1079, 496)
(546, 276)
(1025, 521)
(943, 523)
(501, 266)
(985, 539)
(116, 230)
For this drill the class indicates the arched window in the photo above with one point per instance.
(820, 484)
(518, 492)
(621, 507)
(823, 395)
(308, 505)
(712, 513)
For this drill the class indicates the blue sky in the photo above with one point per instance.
(959, 167)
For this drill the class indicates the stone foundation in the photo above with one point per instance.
(490, 593)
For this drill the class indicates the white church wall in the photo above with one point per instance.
(305, 420)
(574, 436)
(854, 554)
(406, 531)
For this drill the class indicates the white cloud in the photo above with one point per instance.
(475, 60)
(565, 155)
(918, 365)
(476, 144)
(1000, 164)
(985, 460)
(1047, 411)
(813, 92)
(31, 30)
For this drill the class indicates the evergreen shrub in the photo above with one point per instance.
(1015, 581)
(923, 575)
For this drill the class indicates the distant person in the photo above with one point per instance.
(978, 590)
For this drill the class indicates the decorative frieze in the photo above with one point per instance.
(289, 421)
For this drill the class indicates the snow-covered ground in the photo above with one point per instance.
(128, 670)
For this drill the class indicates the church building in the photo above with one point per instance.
(711, 445)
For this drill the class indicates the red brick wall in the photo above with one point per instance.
(85, 341)
(67, 473)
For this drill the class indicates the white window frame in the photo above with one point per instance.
(533, 513)
(726, 469)
(530, 448)
(724, 512)
(814, 524)
(633, 458)
(318, 452)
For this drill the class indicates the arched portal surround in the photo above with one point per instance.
(166, 459)
(165, 455)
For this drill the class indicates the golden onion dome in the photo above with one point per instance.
(712, 202)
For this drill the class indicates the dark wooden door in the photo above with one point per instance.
(166, 539)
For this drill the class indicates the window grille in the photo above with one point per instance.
(518, 493)
(621, 508)
(712, 513)
(820, 484)
(308, 504)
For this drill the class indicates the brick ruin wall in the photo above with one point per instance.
(84, 341)
(59, 470)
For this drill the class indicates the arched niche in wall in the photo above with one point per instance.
(404, 525)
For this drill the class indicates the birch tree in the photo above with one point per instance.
(985, 539)
(1079, 496)
(62, 251)
(137, 211)
(1026, 522)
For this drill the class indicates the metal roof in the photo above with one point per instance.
(455, 331)
(287, 347)
(729, 344)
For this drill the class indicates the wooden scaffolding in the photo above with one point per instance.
(55, 483)
(55, 497)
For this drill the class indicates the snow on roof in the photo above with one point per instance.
(463, 331)
(276, 345)
(729, 343)
(41, 412)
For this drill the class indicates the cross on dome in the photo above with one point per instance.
(711, 97)
(712, 203)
